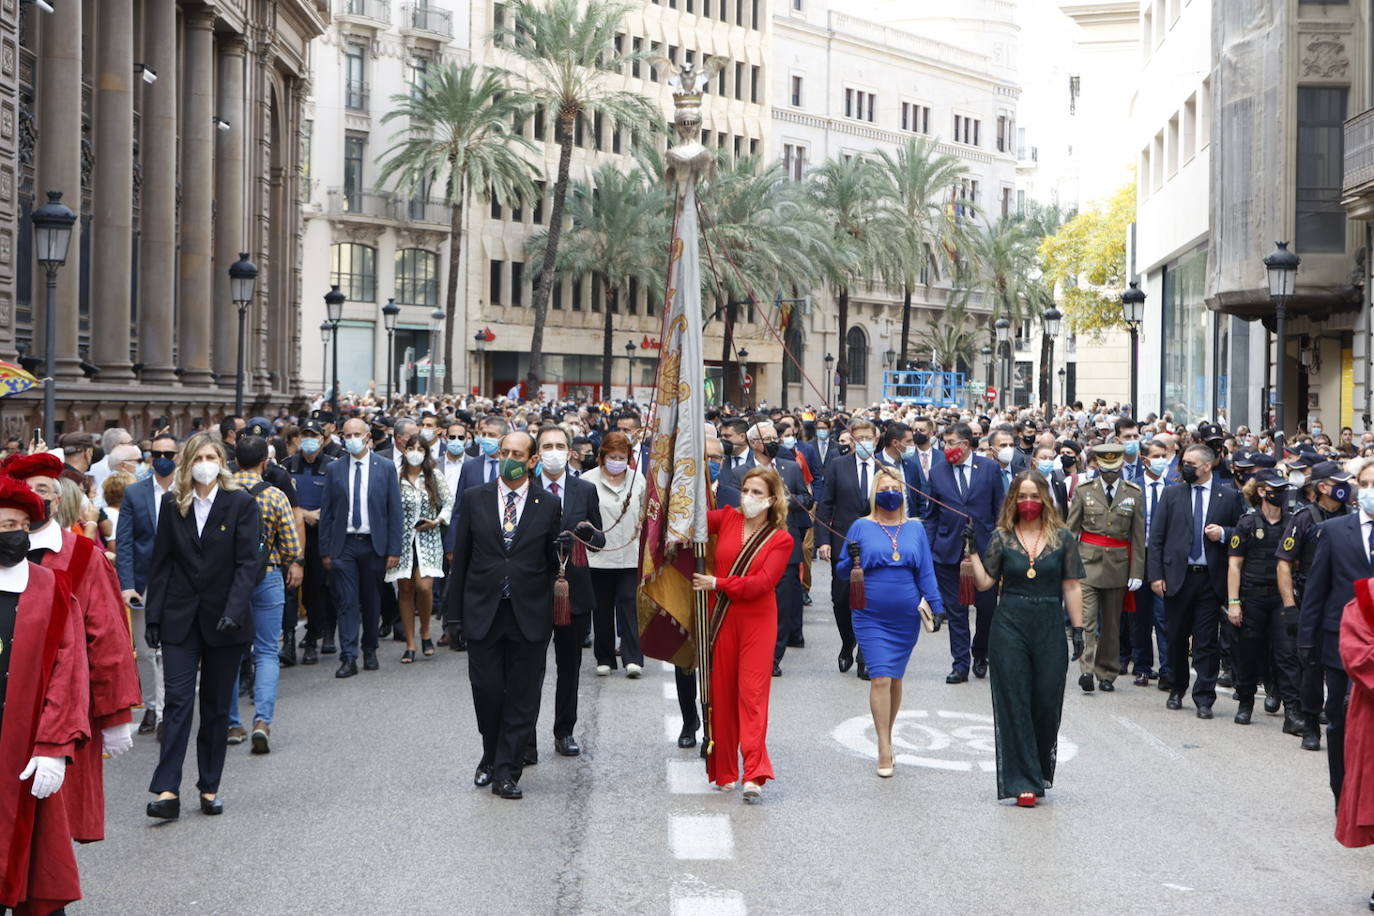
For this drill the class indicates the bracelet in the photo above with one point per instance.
(1233, 601)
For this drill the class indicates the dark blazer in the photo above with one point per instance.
(134, 536)
(799, 501)
(843, 501)
(473, 474)
(813, 464)
(581, 503)
(1171, 535)
(916, 484)
(198, 578)
(982, 503)
(1060, 491)
(1342, 556)
(481, 563)
(1020, 460)
(384, 514)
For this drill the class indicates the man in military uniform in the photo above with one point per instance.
(307, 468)
(1108, 516)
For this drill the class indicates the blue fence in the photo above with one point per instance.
(938, 389)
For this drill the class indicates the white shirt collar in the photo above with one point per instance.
(15, 578)
(521, 490)
(49, 537)
(562, 480)
(209, 499)
(1366, 518)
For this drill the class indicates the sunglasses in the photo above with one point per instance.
(171, 455)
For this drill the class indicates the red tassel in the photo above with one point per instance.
(562, 604)
(968, 588)
(857, 599)
(579, 552)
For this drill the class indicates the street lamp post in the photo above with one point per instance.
(243, 278)
(326, 329)
(746, 392)
(986, 353)
(1133, 311)
(1063, 386)
(630, 355)
(479, 343)
(1282, 267)
(389, 313)
(1003, 328)
(1052, 320)
(436, 349)
(333, 307)
(52, 235)
(829, 375)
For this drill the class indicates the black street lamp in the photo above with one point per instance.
(1051, 320)
(52, 236)
(630, 355)
(1133, 312)
(746, 396)
(986, 353)
(1003, 328)
(243, 278)
(479, 344)
(326, 329)
(1063, 386)
(829, 375)
(1282, 266)
(333, 308)
(389, 313)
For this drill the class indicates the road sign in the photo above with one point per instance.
(422, 370)
(976, 387)
(439, 370)
(991, 393)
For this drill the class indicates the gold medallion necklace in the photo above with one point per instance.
(1031, 552)
(896, 551)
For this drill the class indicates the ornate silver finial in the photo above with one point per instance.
(689, 158)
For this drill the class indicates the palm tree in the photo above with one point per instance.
(572, 70)
(458, 125)
(950, 340)
(920, 232)
(1008, 270)
(845, 192)
(617, 231)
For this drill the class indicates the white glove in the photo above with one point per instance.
(47, 773)
(118, 738)
(1133, 584)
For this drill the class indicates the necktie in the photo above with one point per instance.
(925, 463)
(863, 479)
(1371, 542)
(1154, 503)
(1109, 494)
(1006, 478)
(508, 519)
(491, 469)
(554, 489)
(963, 480)
(1198, 522)
(357, 494)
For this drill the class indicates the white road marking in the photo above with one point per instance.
(1148, 737)
(667, 666)
(688, 777)
(948, 745)
(701, 837)
(728, 904)
(672, 726)
(670, 690)
(1176, 887)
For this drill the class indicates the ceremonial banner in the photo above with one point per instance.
(677, 497)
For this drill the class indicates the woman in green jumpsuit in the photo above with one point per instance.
(1033, 560)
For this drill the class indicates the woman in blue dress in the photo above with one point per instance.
(898, 575)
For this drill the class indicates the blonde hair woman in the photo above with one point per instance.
(899, 575)
(205, 567)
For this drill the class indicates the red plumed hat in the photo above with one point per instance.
(16, 495)
(41, 464)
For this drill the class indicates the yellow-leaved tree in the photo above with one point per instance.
(1085, 262)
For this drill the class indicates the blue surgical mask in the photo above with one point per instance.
(163, 467)
(789, 442)
(488, 445)
(909, 452)
(863, 448)
(142, 471)
(1366, 498)
(1158, 466)
(1045, 467)
(889, 500)
(1131, 448)
(310, 445)
(455, 447)
(714, 465)
(822, 434)
(354, 445)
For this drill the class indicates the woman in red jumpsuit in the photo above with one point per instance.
(752, 549)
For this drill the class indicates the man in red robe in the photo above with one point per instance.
(114, 685)
(44, 704)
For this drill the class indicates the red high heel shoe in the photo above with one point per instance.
(1025, 800)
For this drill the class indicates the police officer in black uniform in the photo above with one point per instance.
(1214, 437)
(1329, 498)
(307, 468)
(324, 422)
(1300, 490)
(1253, 605)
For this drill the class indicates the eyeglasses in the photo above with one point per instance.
(457, 438)
(171, 455)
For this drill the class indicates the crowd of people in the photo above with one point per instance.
(1176, 554)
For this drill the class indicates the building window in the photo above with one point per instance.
(577, 294)
(354, 268)
(916, 118)
(355, 148)
(417, 277)
(636, 46)
(556, 293)
(496, 267)
(796, 91)
(355, 78)
(856, 355)
(791, 372)
(967, 130)
(1320, 219)
(754, 84)
(1184, 375)
(517, 283)
(739, 82)
(793, 160)
(540, 190)
(307, 135)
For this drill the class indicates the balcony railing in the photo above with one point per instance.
(1358, 185)
(367, 202)
(355, 95)
(424, 18)
(434, 211)
(377, 10)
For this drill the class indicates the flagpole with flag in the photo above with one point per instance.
(673, 619)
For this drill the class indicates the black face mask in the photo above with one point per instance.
(1272, 498)
(921, 439)
(1188, 473)
(1068, 461)
(845, 449)
(1028, 441)
(14, 547)
(771, 449)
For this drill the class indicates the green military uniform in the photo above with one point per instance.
(1111, 530)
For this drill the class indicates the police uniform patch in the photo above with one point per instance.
(1235, 540)
(1259, 533)
(1288, 543)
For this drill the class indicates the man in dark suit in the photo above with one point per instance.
(965, 489)
(1345, 552)
(849, 485)
(360, 538)
(501, 598)
(134, 538)
(582, 520)
(1186, 565)
(1128, 434)
(764, 451)
(899, 451)
(481, 469)
(1043, 461)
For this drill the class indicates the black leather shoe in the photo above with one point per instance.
(688, 737)
(347, 667)
(329, 648)
(149, 723)
(483, 775)
(1311, 734)
(531, 756)
(566, 746)
(507, 788)
(806, 599)
(1244, 713)
(398, 633)
(846, 659)
(211, 806)
(1142, 680)
(1106, 686)
(957, 676)
(310, 656)
(167, 809)
(1271, 704)
(1086, 682)
(862, 667)
(1165, 683)
(980, 667)
(777, 670)
(1175, 701)
(1292, 722)
(798, 643)
(286, 655)
(1226, 678)
(1204, 712)
(369, 660)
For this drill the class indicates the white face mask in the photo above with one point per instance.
(205, 472)
(415, 459)
(753, 506)
(555, 459)
(1004, 455)
(428, 434)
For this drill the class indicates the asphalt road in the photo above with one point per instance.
(366, 805)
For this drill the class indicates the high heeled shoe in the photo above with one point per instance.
(885, 771)
(1025, 800)
(752, 792)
